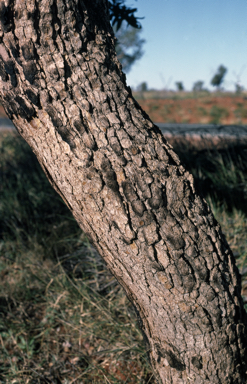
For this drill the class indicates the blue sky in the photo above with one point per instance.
(187, 40)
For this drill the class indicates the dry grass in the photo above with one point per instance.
(64, 319)
(58, 328)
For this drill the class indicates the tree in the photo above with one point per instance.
(198, 86)
(118, 13)
(218, 78)
(179, 85)
(62, 86)
(238, 83)
(238, 88)
(128, 46)
(143, 87)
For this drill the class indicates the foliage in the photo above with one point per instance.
(218, 78)
(241, 112)
(218, 113)
(128, 46)
(143, 87)
(198, 86)
(179, 85)
(238, 88)
(119, 13)
(202, 111)
(238, 83)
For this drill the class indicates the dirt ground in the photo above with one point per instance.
(224, 110)
(204, 110)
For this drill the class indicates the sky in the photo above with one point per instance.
(187, 40)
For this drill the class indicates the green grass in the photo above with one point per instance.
(240, 112)
(64, 319)
(202, 111)
(218, 113)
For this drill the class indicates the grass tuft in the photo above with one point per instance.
(64, 319)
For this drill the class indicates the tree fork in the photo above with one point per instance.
(62, 86)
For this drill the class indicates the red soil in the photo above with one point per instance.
(209, 109)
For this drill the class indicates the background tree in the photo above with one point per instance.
(218, 78)
(128, 46)
(238, 88)
(143, 87)
(179, 85)
(238, 83)
(198, 86)
(63, 87)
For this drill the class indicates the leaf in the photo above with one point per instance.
(120, 13)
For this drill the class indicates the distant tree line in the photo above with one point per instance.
(216, 81)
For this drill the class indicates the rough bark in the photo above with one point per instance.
(62, 86)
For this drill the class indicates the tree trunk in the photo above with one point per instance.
(63, 88)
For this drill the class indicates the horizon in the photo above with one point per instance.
(188, 42)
